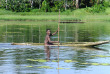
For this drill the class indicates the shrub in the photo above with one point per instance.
(17, 5)
(58, 5)
(35, 10)
(98, 7)
(45, 6)
(108, 11)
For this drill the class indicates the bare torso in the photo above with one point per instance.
(46, 42)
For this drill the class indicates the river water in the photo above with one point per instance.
(24, 59)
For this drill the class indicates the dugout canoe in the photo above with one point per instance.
(71, 22)
(77, 44)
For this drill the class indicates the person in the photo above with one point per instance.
(47, 40)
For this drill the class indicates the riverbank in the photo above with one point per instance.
(76, 15)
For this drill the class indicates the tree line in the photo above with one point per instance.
(47, 5)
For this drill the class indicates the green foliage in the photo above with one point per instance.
(27, 7)
(53, 5)
(35, 10)
(0, 5)
(3, 3)
(45, 6)
(97, 8)
(58, 5)
(108, 10)
(67, 12)
(17, 5)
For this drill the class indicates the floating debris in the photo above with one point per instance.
(75, 61)
(67, 68)
(100, 56)
(60, 68)
(37, 60)
(68, 61)
(41, 60)
(31, 60)
(46, 67)
(34, 60)
(105, 64)
(29, 66)
(95, 64)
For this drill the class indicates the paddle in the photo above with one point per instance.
(58, 40)
(58, 27)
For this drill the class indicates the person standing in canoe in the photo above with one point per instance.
(47, 40)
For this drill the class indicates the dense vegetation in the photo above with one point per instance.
(54, 5)
(85, 10)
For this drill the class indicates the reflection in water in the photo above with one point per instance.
(1, 59)
(47, 50)
(51, 52)
(15, 58)
(85, 32)
(83, 55)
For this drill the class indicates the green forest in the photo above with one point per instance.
(54, 5)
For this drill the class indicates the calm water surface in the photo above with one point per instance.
(16, 59)
(22, 60)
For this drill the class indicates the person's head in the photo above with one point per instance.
(48, 31)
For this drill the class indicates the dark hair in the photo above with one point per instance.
(50, 33)
(47, 30)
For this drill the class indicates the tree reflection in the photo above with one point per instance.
(83, 55)
(68, 32)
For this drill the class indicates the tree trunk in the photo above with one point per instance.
(31, 3)
(91, 2)
(98, 1)
(6, 4)
(65, 3)
(39, 4)
(73, 3)
(77, 4)
(24, 3)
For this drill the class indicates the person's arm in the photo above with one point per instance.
(54, 32)
(52, 41)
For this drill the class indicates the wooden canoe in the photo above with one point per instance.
(77, 44)
(71, 22)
